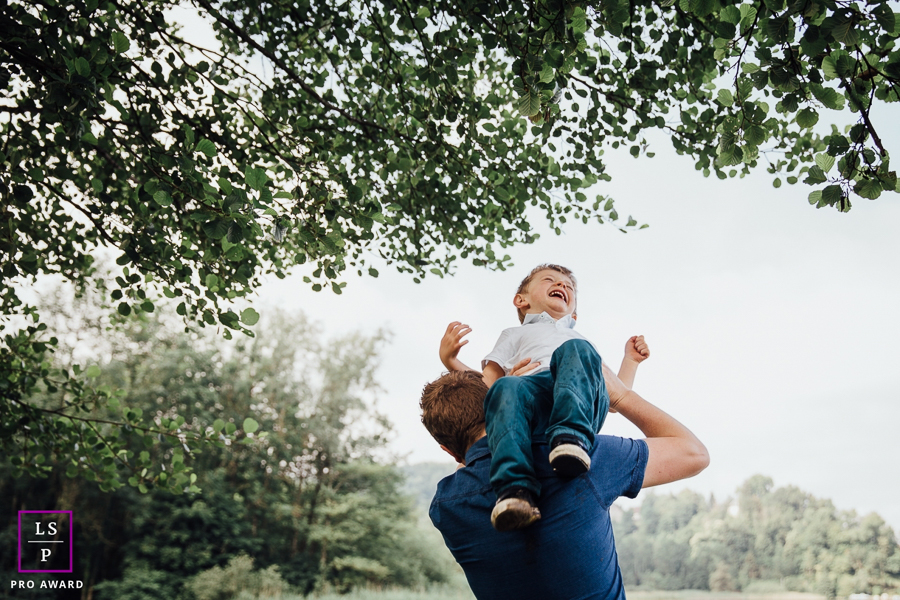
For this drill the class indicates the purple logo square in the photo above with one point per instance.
(44, 540)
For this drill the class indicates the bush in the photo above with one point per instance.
(237, 580)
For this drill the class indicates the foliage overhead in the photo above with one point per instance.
(420, 133)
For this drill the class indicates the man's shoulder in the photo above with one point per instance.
(618, 465)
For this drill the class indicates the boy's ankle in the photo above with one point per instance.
(569, 456)
(516, 508)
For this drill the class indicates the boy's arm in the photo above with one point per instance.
(451, 344)
(492, 372)
(636, 352)
(449, 350)
(675, 452)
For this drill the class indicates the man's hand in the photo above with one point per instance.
(636, 349)
(451, 343)
(524, 367)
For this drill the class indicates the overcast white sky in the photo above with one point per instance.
(773, 326)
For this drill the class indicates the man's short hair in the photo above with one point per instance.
(523, 287)
(453, 410)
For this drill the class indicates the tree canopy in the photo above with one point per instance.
(766, 540)
(332, 132)
(314, 503)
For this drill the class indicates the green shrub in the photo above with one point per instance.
(237, 581)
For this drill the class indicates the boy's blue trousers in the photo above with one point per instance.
(570, 398)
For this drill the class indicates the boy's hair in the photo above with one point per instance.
(523, 287)
(453, 410)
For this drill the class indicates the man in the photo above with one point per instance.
(570, 553)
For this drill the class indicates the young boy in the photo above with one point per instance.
(563, 396)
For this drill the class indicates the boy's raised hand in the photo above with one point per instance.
(451, 343)
(636, 349)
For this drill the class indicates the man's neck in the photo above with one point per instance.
(483, 434)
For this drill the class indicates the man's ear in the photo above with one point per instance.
(458, 459)
(520, 302)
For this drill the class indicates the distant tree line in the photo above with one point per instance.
(777, 539)
(308, 502)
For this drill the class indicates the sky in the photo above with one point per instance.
(772, 325)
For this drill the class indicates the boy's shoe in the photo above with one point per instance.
(568, 456)
(516, 508)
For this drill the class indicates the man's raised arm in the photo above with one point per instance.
(675, 452)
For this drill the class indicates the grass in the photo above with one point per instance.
(456, 593)
(704, 595)
(435, 593)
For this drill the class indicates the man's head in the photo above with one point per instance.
(548, 288)
(453, 411)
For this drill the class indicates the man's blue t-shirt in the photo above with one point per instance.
(569, 554)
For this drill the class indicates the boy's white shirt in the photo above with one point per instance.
(536, 338)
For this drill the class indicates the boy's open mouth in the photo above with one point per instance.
(559, 294)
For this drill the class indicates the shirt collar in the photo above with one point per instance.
(566, 322)
(477, 450)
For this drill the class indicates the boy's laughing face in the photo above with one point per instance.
(550, 292)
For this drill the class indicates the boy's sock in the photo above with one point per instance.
(568, 456)
(515, 508)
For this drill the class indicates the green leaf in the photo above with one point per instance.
(730, 14)
(832, 194)
(124, 309)
(828, 68)
(230, 428)
(249, 317)
(250, 425)
(755, 135)
(780, 28)
(206, 147)
(701, 8)
(162, 198)
(547, 74)
(725, 98)
(825, 161)
(529, 104)
(827, 96)
(783, 80)
(748, 17)
(845, 32)
(868, 188)
(93, 371)
(730, 156)
(82, 66)
(255, 177)
(579, 20)
(807, 118)
(815, 175)
(423, 12)
(217, 425)
(885, 17)
(120, 42)
(215, 229)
